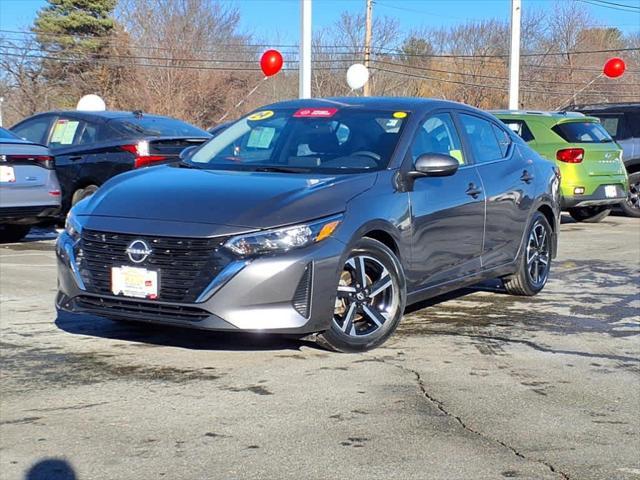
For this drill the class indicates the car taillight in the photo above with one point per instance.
(570, 155)
(46, 161)
(141, 151)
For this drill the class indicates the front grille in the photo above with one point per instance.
(117, 308)
(185, 266)
(302, 296)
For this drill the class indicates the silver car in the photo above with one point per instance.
(29, 188)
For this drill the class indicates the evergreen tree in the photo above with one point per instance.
(77, 36)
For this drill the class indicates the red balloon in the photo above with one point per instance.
(271, 62)
(614, 67)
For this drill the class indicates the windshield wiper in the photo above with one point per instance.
(281, 169)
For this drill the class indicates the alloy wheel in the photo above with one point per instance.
(538, 254)
(633, 198)
(367, 297)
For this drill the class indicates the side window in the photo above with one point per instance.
(438, 135)
(520, 128)
(503, 139)
(65, 132)
(33, 130)
(482, 138)
(91, 133)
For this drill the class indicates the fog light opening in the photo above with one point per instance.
(578, 191)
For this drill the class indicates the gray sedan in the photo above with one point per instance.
(29, 188)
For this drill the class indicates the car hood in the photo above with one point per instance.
(254, 200)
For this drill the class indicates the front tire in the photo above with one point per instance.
(535, 261)
(631, 207)
(593, 214)
(370, 299)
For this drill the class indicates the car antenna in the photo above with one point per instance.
(137, 113)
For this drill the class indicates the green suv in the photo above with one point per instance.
(593, 176)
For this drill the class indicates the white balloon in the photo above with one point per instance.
(91, 103)
(357, 76)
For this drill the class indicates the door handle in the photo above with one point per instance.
(526, 177)
(473, 191)
(75, 158)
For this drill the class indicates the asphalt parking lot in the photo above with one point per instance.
(477, 385)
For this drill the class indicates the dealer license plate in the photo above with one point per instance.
(7, 174)
(610, 191)
(134, 282)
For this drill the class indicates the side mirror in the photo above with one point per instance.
(187, 152)
(435, 165)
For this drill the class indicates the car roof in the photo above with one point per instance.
(382, 103)
(104, 115)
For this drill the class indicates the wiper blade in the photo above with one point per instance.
(187, 165)
(281, 169)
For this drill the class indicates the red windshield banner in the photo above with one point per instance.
(315, 113)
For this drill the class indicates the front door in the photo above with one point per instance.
(447, 212)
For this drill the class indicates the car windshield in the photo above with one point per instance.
(582, 132)
(152, 126)
(321, 140)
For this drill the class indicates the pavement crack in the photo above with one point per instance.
(440, 406)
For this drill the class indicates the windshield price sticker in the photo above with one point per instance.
(315, 113)
(400, 115)
(263, 115)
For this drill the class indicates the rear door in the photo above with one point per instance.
(508, 179)
(447, 212)
(63, 141)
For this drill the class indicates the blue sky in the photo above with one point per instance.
(277, 20)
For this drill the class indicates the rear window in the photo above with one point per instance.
(582, 132)
(150, 126)
(6, 134)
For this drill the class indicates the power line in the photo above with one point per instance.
(478, 75)
(612, 5)
(496, 87)
(361, 48)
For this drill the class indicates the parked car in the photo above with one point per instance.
(593, 176)
(29, 189)
(622, 121)
(92, 147)
(316, 217)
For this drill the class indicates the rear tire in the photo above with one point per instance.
(535, 261)
(83, 193)
(631, 207)
(370, 300)
(589, 214)
(13, 233)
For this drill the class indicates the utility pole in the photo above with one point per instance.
(367, 44)
(305, 49)
(1, 102)
(514, 61)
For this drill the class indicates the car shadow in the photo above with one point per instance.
(175, 336)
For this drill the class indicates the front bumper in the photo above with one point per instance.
(290, 293)
(597, 197)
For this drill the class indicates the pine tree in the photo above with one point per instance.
(76, 36)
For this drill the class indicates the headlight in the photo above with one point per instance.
(283, 239)
(73, 227)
